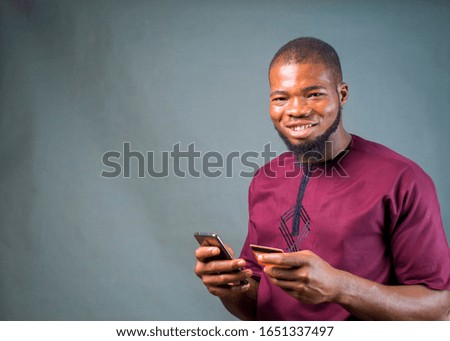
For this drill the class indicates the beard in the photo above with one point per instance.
(315, 147)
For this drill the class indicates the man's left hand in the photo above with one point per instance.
(303, 275)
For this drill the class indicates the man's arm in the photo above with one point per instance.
(373, 301)
(217, 276)
(312, 280)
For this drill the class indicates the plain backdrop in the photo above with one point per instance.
(81, 78)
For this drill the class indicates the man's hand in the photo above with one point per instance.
(312, 280)
(218, 275)
(304, 275)
(221, 281)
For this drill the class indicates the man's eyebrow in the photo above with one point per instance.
(307, 89)
(278, 92)
(314, 87)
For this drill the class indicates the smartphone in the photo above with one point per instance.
(259, 249)
(213, 239)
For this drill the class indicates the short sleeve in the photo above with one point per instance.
(419, 246)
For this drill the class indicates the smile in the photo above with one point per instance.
(301, 127)
(300, 130)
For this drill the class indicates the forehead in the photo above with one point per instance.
(301, 75)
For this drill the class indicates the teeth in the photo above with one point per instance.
(300, 128)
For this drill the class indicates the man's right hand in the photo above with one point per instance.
(218, 275)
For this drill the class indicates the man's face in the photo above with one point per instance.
(305, 103)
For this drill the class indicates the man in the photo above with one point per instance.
(360, 224)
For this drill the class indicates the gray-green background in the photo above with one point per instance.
(80, 78)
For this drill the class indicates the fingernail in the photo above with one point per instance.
(241, 263)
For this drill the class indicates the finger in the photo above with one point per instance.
(215, 267)
(282, 273)
(292, 259)
(226, 278)
(287, 284)
(202, 253)
(223, 266)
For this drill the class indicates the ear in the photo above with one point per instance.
(343, 93)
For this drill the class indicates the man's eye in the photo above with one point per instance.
(315, 94)
(278, 99)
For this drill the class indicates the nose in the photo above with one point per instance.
(298, 107)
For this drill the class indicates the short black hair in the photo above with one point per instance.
(304, 49)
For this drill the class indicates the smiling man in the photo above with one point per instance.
(367, 243)
(306, 99)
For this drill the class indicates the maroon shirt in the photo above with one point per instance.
(371, 212)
